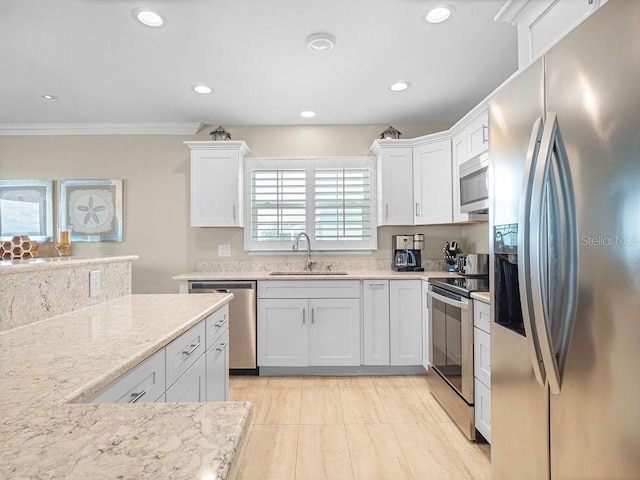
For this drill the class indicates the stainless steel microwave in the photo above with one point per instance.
(474, 185)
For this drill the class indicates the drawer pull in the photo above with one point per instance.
(193, 349)
(222, 346)
(221, 322)
(137, 396)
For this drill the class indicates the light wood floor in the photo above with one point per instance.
(307, 428)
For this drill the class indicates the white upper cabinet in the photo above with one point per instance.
(394, 164)
(432, 181)
(216, 183)
(471, 138)
(478, 135)
(541, 23)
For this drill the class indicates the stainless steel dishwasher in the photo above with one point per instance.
(242, 322)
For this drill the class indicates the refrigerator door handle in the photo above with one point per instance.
(565, 315)
(524, 266)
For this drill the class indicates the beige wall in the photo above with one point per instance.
(155, 169)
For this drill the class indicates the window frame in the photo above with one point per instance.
(310, 165)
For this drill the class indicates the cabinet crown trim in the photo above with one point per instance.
(239, 145)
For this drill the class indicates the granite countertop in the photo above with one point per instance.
(48, 367)
(482, 296)
(352, 275)
(50, 263)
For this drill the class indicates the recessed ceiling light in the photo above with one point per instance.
(202, 89)
(400, 86)
(48, 96)
(307, 114)
(147, 17)
(439, 14)
(321, 42)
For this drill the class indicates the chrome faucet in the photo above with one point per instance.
(310, 262)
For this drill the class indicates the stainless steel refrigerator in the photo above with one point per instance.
(565, 228)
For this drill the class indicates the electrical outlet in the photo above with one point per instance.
(224, 250)
(94, 283)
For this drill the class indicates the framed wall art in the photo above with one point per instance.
(91, 210)
(26, 208)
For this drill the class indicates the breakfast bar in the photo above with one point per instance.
(49, 369)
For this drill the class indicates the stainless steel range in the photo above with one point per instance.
(451, 352)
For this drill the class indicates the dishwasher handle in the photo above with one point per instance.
(220, 287)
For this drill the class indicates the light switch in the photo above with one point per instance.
(224, 250)
(94, 283)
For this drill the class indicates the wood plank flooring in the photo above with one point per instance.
(355, 428)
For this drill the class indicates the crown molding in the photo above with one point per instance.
(511, 11)
(99, 128)
(239, 145)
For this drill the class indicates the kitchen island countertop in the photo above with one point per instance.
(49, 367)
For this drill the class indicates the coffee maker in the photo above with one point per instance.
(407, 252)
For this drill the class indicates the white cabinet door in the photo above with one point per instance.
(478, 135)
(483, 409)
(216, 183)
(190, 387)
(283, 332)
(425, 325)
(482, 356)
(334, 331)
(405, 322)
(218, 369)
(432, 183)
(376, 322)
(395, 189)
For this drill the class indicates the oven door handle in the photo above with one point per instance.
(448, 301)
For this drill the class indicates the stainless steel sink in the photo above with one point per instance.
(314, 274)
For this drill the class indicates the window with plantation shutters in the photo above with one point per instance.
(331, 199)
(278, 204)
(342, 205)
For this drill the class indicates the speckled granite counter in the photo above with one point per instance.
(33, 290)
(482, 296)
(355, 275)
(46, 365)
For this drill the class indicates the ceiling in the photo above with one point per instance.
(106, 68)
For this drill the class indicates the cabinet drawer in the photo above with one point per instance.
(483, 409)
(190, 387)
(216, 324)
(309, 289)
(217, 358)
(184, 351)
(482, 316)
(144, 384)
(482, 356)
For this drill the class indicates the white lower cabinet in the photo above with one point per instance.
(483, 409)
(425, 325)
(308, 330)
(190, 387)
(375, 324)
(283, 332)
(144, 384)
(405, 322)
(482, 367)
(217, 359)
(182, 371)
(334, 332)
